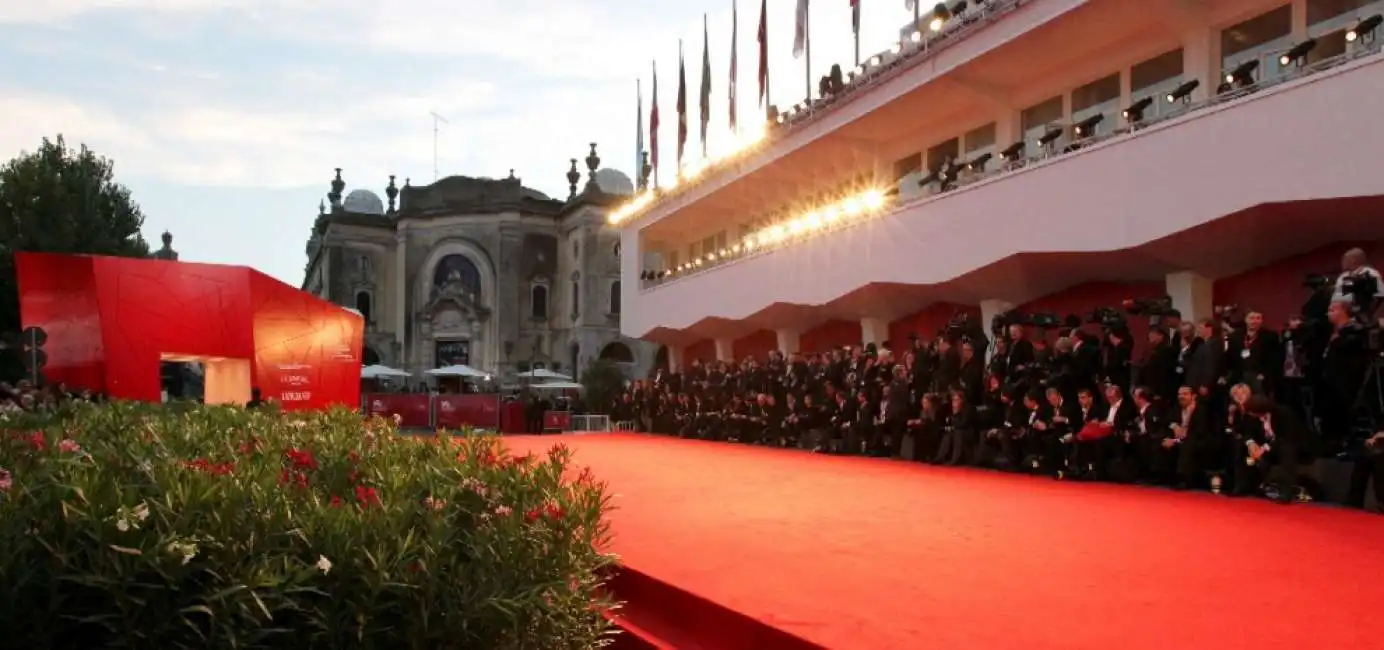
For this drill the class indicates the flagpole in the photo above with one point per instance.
(807, 51)
(763, 53)
(856, 28)
(917, 15)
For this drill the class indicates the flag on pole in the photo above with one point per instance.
(653, 127)
(800, 34)
(734, 62)
(706, 83)
(639, 131)
(763, 51)
(682, 107)
(855, 17)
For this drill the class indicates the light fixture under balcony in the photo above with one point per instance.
(1297, 53)
(1364, 28)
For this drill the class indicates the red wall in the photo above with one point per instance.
(60, 294)
(703, 350)
(831, 334)
(757, 344)
(304, 352)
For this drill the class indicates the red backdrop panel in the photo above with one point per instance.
(150, 308)
(414, 411)
(307, 350)
(117, 317)
(456, 411)
(59, 295)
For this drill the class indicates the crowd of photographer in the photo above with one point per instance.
(1226, 404)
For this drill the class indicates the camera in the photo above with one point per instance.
(1151, 306)
(1316, 281)
(1107, 317)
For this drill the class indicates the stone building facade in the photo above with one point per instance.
(478, 271)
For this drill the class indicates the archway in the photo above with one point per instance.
(617, 352)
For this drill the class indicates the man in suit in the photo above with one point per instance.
(1140, 460)
(1205, 368)
(1273, 456)
(1195, 445)
(1255, 356)
(1159, 369)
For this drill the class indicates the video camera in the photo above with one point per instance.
(1108, 318)
(1041, 320)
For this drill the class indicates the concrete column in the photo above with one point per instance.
(1201, 60)
(1299, 21)
(988, 310)
(1127, 94)
(1008, 129)
(725, 350)
(675, 358)
(874, 330)
(1192, 295)
(788, 341)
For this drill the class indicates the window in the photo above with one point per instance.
(458, 268)
(538, 302)
(978, 142)
(939, 154)
(1037, 119)
(1156, 78)
(617, 352)
(363, 305)
(1100, 97)
(615, 297)
(615, 250)
(907, 172)
(1337, 13)
(1261, 38)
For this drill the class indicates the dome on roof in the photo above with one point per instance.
(614, 181)
(363, 202)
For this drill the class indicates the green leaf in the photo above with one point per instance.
(126, 550)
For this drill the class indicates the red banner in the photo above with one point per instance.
(413, 410)
(557, 420)
(457, 411)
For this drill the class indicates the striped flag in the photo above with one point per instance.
(763, 51)
(682, 107)
(706, 83)
(855, 17)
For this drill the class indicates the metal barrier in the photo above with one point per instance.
(590, 423)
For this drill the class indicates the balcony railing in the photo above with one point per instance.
(792, 235)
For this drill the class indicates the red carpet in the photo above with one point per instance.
(862, 553)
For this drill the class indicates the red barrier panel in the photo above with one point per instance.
(457, 411)
(557, 420)
(413, 410)
(513, 417)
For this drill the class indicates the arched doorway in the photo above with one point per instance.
(617, 352)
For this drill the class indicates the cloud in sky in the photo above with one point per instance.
(262, 98)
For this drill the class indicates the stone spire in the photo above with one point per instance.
(573, 176)
(593, 162)
(392, 193)
(167, 252)
(335, 195)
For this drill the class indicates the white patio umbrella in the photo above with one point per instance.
(377, 371)
(544, 373)
(558, 385)
(459, 370)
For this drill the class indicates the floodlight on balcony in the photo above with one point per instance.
(940, 15)
(1087, 127)
(1242, 75)
(1184, 91)
(1135, 112)
(1050, 136)
(1298, 52)
(916, 36)
(1364, 28)
(1013, 151)
(978, 163)
(896, 48)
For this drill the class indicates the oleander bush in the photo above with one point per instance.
(140, 526)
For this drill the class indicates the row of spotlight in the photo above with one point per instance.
(811, 222)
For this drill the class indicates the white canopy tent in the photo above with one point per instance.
(381, 372)
(543, 373)
(558, 385)
(459, 370)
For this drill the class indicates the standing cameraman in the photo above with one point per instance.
(1342, 372)
(1355, 268)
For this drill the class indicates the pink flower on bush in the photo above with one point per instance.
(6, 480)
(367, 496)
(301, 458)
(69, 446)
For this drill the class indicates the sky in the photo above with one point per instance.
(226, 118)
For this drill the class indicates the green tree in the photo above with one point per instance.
(603, 382)
(60, 200)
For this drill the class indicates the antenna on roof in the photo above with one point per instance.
(438, 120)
